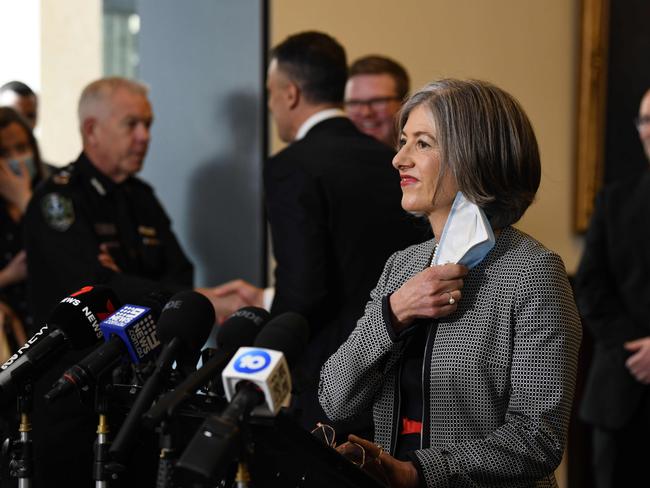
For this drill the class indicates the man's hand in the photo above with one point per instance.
(106, 260)
(15, 188)
(224, 305)
(249, 294)
(639, 362)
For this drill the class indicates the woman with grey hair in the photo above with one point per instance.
(469, 370)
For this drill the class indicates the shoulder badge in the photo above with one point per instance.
(58, 211)
(61, 177)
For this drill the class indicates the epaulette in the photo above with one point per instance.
(62, 176)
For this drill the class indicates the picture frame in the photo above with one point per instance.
(591, 112)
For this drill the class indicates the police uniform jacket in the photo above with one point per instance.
(77, 209)
(498, 374)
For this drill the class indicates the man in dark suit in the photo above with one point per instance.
(333, 202)
(613, 291)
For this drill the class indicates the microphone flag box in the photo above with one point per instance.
(135, 326)
(267, 369)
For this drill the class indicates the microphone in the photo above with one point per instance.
(130, 330)
(74, 322)
(238, 330)
(256, 380)
(183, 328)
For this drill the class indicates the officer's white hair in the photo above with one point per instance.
(99, 91)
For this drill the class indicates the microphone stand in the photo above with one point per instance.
(246, 453)
(167, 458)
(21, 465)
(101, 475)
(243, 477)
(123, 442)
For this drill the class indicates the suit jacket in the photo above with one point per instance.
(334, 208)
(498, 374)
(613, 290)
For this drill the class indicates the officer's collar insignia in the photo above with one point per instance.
(61, 178)
(147, 231)
(98, 186)
(58, 211)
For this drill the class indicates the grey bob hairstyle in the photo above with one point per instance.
(486, 141)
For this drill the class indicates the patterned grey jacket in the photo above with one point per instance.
(498, 374)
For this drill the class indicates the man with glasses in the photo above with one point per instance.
(643, 123)
(374, 92)
(613, 292)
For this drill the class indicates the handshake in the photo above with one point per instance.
(233, 295)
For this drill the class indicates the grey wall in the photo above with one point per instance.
(203, 60)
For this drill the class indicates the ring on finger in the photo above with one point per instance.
(451, 300)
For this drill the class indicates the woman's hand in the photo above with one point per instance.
(15, 188)
(400, 474)
(15, 271)
(432, 293)
(10, 320)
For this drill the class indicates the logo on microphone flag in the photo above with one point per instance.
(267, 369)
(252, 361)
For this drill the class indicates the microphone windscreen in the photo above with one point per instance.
(79, 314)
(241, 328)
(189, 316)
(155, 301)
(288, 333)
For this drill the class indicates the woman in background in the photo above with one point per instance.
(20, 170)
(470, 372)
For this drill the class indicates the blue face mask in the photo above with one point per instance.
(28, 159)
(467, 236)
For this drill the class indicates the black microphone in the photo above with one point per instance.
(261, 379)
(130, 331)
(74, 323)
(240, 329)
(183, 328)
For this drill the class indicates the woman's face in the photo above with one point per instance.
(418, 162)
(14, 142)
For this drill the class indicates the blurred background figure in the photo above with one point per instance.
(613, 294)
(20, 170)
(22, 99)
(374, 92)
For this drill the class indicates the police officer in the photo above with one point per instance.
(95, 222)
